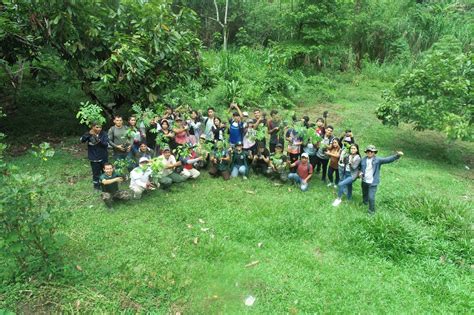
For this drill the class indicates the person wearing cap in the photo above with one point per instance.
(140, 178)
(110, 181)
(97, 144)
(370, 174)
(168, 175)
(143, 151)
(220, 159)
(348, 137)
(239, 163)
(278, 167)
(304, 171)
(236, 127)
(261, 160)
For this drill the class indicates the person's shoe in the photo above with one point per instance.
(329, 184)
(337, 202)
(335, 186)
(244, 177)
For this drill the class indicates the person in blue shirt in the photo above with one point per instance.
(370, 174)
(236, 126)
(97, 144)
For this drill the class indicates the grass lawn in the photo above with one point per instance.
(207, 245)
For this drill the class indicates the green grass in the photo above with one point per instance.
(414, 256)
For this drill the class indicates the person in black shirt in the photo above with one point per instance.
(97, 144)
(261, 159)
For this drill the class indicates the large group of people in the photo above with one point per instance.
(188, 143)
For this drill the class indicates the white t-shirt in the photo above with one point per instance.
(170, 161)
(139, 177)
(369, 172)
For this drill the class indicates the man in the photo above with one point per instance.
(118, 138)
(304, 171)
(236, 127)
(278, 164)
(322, 159)
(220, 160)
(169, 176)
(140, 178)
(370, 174)
(260, 121)
(239, 163)
(261, 160)
(274, 130)
(209, 123)
(97, 143)
(109, 181)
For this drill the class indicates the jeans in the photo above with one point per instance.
(345, 182)
(368, 196)
(236, 170)
(331, 172)
(324, 165)
(294, 177)
(96, 172)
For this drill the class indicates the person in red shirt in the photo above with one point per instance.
(304, 171)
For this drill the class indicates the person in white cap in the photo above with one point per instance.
(304, 171)
(140, 178)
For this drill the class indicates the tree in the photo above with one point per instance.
(437, 94)
(122, 51)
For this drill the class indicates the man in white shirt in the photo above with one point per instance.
(140, 178)
(169, 176)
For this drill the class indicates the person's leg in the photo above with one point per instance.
(137, 191)
(349, 189)
(312, 161)
(324, 167)
(235, 171)
(372, 191)
(318, 165)
(165, 182)
(294, 177)
(330, 175)
(107, 198)
(337, 176)
(225, 174)
(176, 178)
(96, 172)
(283, 176)
(213, 170)
(365, 193)
(304, 186)
(194, 173)
(242, 170)
(272, 147)
(342, 184)
(122, 195)
(186, 173)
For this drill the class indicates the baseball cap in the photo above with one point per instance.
(245, 114)
(279, 145)
(305, 155)
(371, 148)
(165, 148)
(143, 159)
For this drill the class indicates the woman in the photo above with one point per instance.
(180, 131)
(165, 136)
(218, 130)
(349, 167)
(334, 153)
(137, 135)
(194, 124)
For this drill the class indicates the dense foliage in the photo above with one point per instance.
(436, 94)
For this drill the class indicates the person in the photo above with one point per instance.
(320, 127)
(278, 164)
(188, 165)
(294, 145)
(166, 135)
(322, 159)
(261, 160)
(168, 175)
(180, 131)
(218, 130)
(274, 125)
(334, 152)
(239, 163)
(203, 149)
(195, 126)
(260, 121)
(304, 171)
(348, 137)
(110, 181)
(370, 174)
(137, 134)
(169, 114)
(140, 178)
(119, 139)
(220, 159)
(97, 144)
(236, 127)
(152, 132)
(349, 163)
(208, 123)
(250, 140)
(143, 151)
